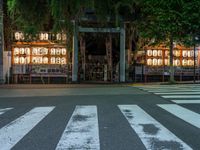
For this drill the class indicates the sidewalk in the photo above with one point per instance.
(85, 85)
(166, 83)
(49, 86)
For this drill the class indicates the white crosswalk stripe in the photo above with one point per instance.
(180, 94)
(183, 113)
(82, 129)
(186, 101)
(140, 121)
(2, 111)
(16, 130)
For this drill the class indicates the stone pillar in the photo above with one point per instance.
(83, 59)
(122, 53)
(75, 55)
(1, 42)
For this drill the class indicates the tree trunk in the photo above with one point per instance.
(171, 47)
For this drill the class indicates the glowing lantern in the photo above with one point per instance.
(45, 60)
(64, 51)
(160, 62)
(155, 62)
(16, 51)
(53, 60)
(22, 51)
(63, 60)
(149, 62)
(21, 60)
(155, 53)
(149, 52)
(53, 51)
(185, 53)
(159, 52)
(16, 60)
(184, 62)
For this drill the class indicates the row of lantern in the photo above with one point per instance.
(40, 60)
(42, 36)
(39, 51)
(177, 53)
(176, 62)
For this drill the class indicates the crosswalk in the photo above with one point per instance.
(180, 94)
(82, 128)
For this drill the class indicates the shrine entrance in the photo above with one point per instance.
(99, 57)
(88, 66)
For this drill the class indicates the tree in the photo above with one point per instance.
(192, 26)
(164, 24)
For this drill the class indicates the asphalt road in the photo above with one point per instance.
(106, 118)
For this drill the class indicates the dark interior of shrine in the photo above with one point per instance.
(96, 45)
(101, 60)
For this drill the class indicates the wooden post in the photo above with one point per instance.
(82, 50)
(109, 56)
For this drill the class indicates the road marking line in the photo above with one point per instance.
(172, 91)
(4, 110)
(178, 93)
(186, 101)
(17, 129)
(182, 113)
(181, 96)
(153, 134)
(82, 131)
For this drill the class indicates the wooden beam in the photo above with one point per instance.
(99, 30)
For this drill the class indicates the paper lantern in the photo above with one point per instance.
(53, 51)
(149, 52)
(64, 37)
(53, 60)
(189, 54)
(19, 36)
(185, 53)
(155, 53)
(27, 51)
(160, 62)
(27, 60)
(155, 62)
(177, 53)
(177, 62)
(149, 62)
(44, 51)
(16, 60)
(184, 62)
(58, 36)
(58, 51)
(40, 60)
(45, 60)
(64, 51)
(22, 51)
(166, 61)
(44, 36)
(34, 51)
(21, 60)
(58, 60)
(63, 60)
(160, 53)
(192, 53)
(190, 62)
(16, 51)
(166, 53)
